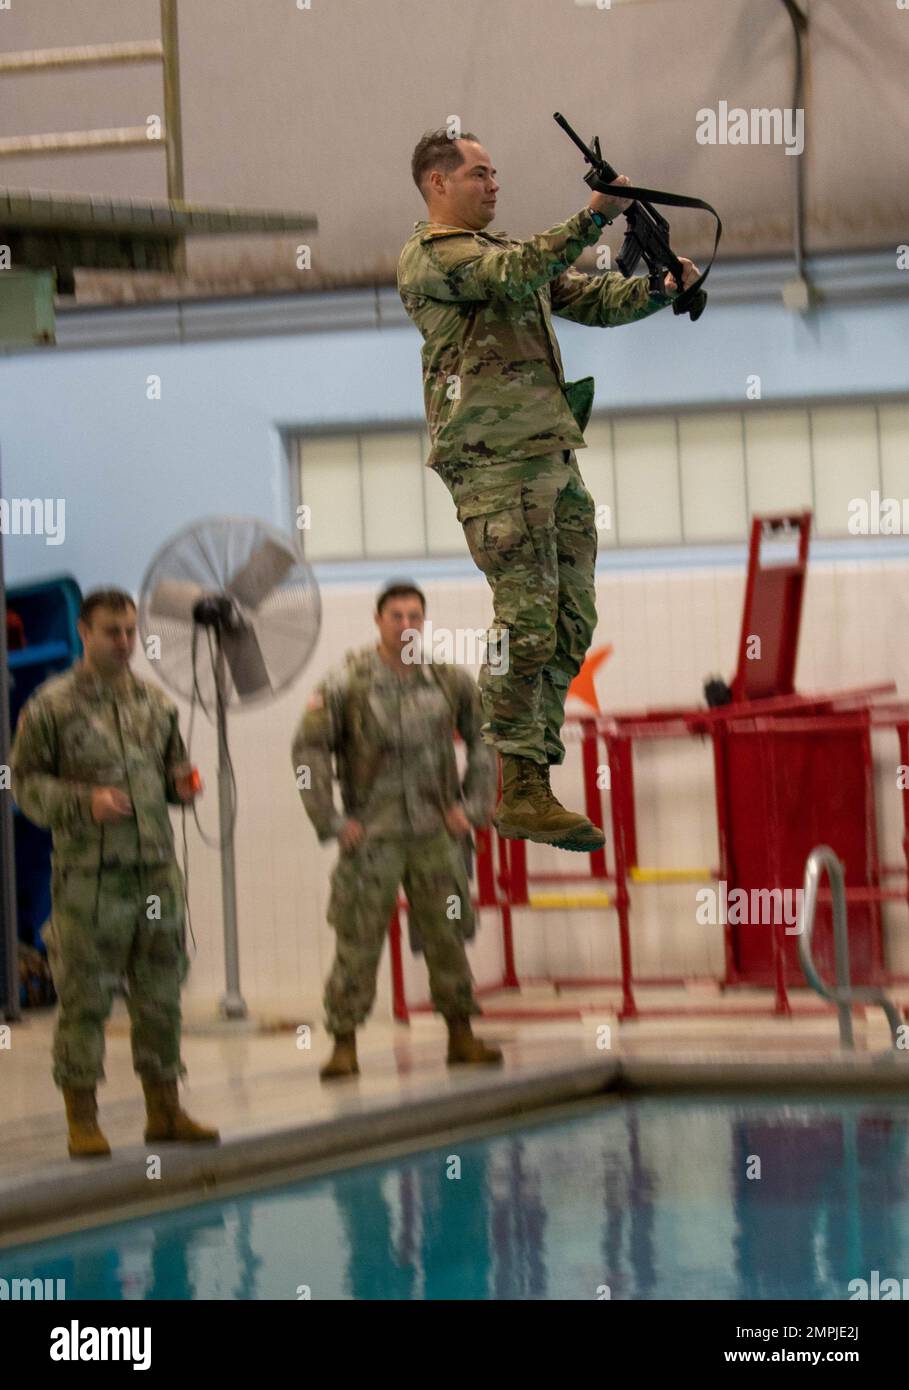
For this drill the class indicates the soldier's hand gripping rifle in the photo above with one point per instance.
(648, 233)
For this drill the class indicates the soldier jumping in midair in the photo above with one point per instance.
(504, 424)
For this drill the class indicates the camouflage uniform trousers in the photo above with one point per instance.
(530, 527)
(100, 933)
(364, 888)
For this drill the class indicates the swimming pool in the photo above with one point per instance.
(649, 1198)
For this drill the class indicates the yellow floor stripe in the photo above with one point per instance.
(545, 900)
(670, 875)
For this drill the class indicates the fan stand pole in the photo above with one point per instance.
(9, 980)
(233, 1005)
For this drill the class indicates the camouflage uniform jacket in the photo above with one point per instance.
(493, 382)
(392, 739)
(75, 734)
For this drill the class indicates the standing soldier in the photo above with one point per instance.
(97, 758)
(389, 721)
(504, 424)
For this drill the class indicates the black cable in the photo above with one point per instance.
(234, 795)
(189, 915)
(197, 697)
(140, 865)
(217, 843)
(194, 695)
(197, 692)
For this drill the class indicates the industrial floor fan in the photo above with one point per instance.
(242, 592)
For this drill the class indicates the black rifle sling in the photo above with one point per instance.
(673, 200)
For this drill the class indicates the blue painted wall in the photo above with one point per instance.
(77, 425)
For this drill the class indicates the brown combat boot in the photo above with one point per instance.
(167, 1122)
(529, 811)
(464, 1047)
(85, 1137)
(343, 1061)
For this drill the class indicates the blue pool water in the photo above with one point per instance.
(651, 1198)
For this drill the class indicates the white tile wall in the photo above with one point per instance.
(599, 475)
(669, 631)
(666, 479)
(846, 462)
(444, 534)
(647, 482)
(332, 470)
(778, 450)
(712, 462)
(393, 468)
(894, 431)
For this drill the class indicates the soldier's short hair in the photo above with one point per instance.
(117, 600)
(437, 150)
(401, 590)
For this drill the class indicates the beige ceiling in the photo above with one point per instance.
(318, 110)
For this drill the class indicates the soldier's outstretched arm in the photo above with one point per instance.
(603, 301)
(316, 740)
(47, 800)
(479, 786)
(454, 267)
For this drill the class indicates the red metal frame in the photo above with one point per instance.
(772, 611)
(510, 883)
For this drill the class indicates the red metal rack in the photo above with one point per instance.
(790, 771)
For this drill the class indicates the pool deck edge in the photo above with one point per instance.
(69, 1189)
(65, 1192)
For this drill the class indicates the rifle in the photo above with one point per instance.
(647, 235)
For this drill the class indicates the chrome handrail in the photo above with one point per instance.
(842, 994)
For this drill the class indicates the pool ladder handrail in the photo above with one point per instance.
(842, 994)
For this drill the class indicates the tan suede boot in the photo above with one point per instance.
(529, 811)
(85, 1137)
(464, 1047)
(343, 1061)
(167, 1122)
